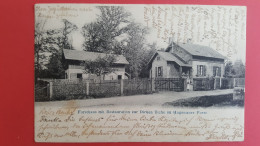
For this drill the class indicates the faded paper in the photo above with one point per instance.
(72, 124)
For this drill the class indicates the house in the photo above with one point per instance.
(74, 69)
(188, 60)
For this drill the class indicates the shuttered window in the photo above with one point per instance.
(156, 73)
(160, 72)
(216, 71)
(201, 70)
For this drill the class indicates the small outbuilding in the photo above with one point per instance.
(74, 69)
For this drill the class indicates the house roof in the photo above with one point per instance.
(199, 50)
(168, 57)
(84, 55)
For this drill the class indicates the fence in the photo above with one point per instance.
(239, 82)
(229, 83)
(104, 88)
(41, 94)
(200, 84)
(137, 86)
(63, 89)
(169, 84)
(41, 91)
(67, 90)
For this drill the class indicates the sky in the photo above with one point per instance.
(220, 27)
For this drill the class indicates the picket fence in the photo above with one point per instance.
(64, 89)
(80, 89)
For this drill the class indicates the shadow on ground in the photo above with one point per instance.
(207, 101)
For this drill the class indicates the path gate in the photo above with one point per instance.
(137, 86)
(169, 84)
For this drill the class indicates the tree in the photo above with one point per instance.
(100, 36)
(48, 48)
(236, 70)
(112, 32)
(228, 69)
(68, 28)
(134, 50)
(239, 69)
(55, 67)
(150, 51)
(46, 42)
(100, 66)
(93, 37)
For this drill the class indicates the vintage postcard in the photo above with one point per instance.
(139, 73)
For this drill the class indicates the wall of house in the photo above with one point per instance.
(209, 67)
(114, 75)
(71, 73)
(73, 70)
(173, 70)
(118, 70)
(159, 63)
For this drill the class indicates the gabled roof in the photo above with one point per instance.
(168, 57)
(91, 56)
(199, 50)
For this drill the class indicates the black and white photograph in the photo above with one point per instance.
(118, 73)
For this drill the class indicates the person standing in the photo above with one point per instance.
(189, 86)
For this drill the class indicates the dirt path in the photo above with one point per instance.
(156, 99)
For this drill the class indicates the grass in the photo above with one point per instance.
(207, 101)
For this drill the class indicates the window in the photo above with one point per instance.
(160, 72)
(216, 71)
(79, 76)
(201, 70)
(156, 72)
(119, 77)
(158, 58)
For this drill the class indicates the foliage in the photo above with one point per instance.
(239, 69)
(93, 37)
(48, 47)
(228, 69)
(100, 36)
(137, 52)
(149, 52)
(56, 67)
(112, 32)
(68, 28)
(236, 70)
(46, 43)
(100, 66)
